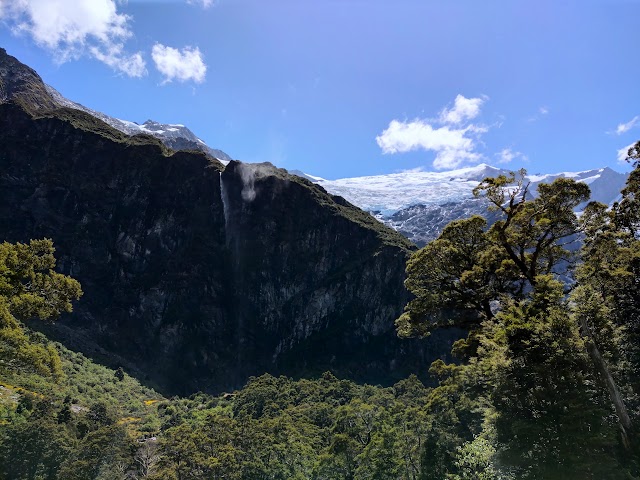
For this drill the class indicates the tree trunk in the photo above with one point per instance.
(624, 421)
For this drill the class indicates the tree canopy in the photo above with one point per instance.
(549, 299)
(30, 288)
(457, 278)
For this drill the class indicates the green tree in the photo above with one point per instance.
(627, 211)
(606, 301)
(380, 459)
(552, 420)
(525, 346)
(119, 374)
(456, 278)
(100, 454)
(30, 288)
(33, 448)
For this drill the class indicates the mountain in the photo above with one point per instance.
(420, 204)
(199, 275)
(174, 136)
(24, 85)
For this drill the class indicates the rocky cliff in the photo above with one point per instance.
(197, 275)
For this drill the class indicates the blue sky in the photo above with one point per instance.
(342, 88)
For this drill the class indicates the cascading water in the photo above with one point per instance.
(232, 245)
(225, 208)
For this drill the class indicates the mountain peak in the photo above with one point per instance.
(21, 85)
(175, 136)
(477, 172)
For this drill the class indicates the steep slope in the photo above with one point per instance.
(420, 204)
(23, 86)
(197, 276)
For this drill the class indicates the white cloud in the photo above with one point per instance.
(625, 127)
(411, 170)
(463, 109)
(452, 146)
(542, 111)
(402, 137)
(72, 28)
(131, 65)
(623, 153)
(182, 65)
(453, 141)
(203, 3)
(448, 159)
(507, 155)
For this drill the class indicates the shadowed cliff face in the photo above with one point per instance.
(197, 276)
(142, 231)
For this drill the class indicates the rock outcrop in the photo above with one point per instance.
(198, 275)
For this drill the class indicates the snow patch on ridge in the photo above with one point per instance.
(388, 194)
(174, 135)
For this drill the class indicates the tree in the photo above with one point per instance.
(147, 458)
(551, 417)
(33, 448)
(29, 285)
(457, 278)
(627, 211)
(30, 288)
(506, 284)
(607, 300)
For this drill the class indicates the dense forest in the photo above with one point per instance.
(545, 385)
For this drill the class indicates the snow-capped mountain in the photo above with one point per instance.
(420, 204)
(175, 136)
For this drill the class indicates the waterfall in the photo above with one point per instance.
(234, 264)
(225, 208)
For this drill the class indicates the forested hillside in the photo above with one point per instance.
(64, 417)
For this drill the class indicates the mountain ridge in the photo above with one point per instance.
(420, 204)
(174, 136)
(21, 84)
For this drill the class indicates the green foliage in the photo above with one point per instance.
(90, 425)
(33, 448)
(456, 278)
(475, 460)
(627, 211)
(543, 371)
(29, 288)
(83, 424)
(552, 422)
(456, 273)
(61, 416)
(277, 428)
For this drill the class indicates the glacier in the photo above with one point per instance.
(419, 204)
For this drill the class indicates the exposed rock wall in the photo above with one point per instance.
(198, 276)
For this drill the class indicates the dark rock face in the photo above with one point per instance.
(197, 276)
